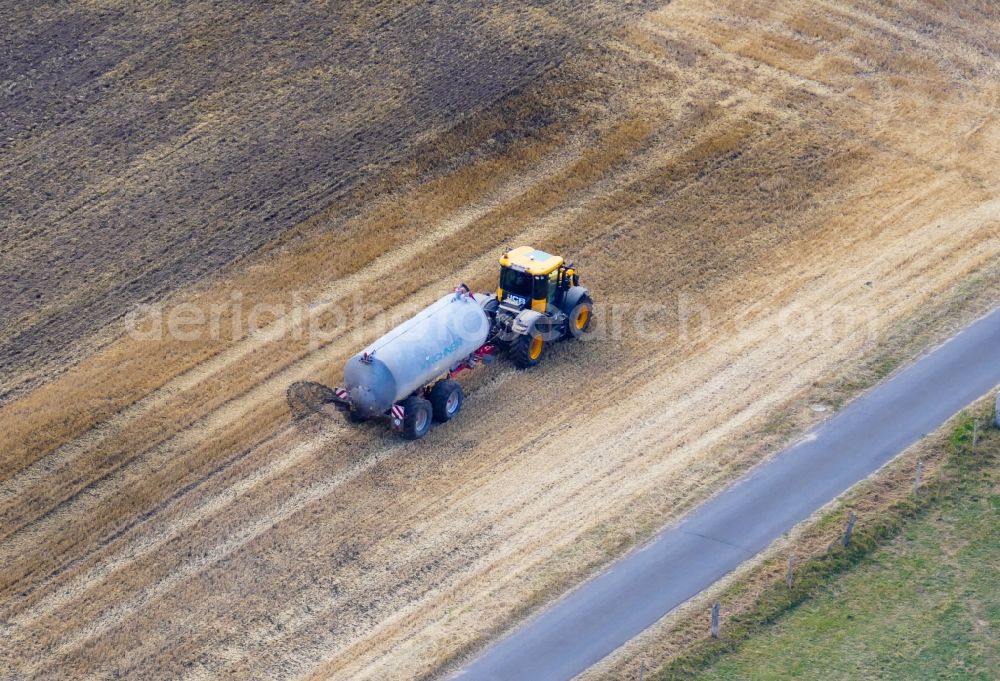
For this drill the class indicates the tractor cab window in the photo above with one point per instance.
(518, 283)
(541, 287)
(553, 286)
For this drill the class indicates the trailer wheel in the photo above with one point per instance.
(417, 416)
(446, 400)
(578, 322)
(527, 350)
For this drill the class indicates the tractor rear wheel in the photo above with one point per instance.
(527, 350)
(578, 322)
(446, 400)
(417, 415)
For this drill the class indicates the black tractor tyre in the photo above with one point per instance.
(446, 400)
(527, 350)
(578, 322)
(417, 415)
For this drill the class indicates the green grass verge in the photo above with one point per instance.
(924, 606)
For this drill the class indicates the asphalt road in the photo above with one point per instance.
(608, 610)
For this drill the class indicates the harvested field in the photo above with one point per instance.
(786, 181)
(148, 146)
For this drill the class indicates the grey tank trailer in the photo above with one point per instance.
(408, 374)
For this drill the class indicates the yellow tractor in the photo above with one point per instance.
(407, 374)
(538, 301)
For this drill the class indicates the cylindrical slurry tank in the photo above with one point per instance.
(414, 353)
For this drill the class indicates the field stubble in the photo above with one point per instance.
(159, 512)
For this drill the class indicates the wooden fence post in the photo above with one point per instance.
(975, 435)
(918, 476)
(642, 669)
(791, 566)
(715, 621)
(850, 528)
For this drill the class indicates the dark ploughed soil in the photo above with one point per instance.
(147, 146)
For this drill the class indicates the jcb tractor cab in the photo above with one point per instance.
(539, 300)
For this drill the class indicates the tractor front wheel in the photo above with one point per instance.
(578, 322)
